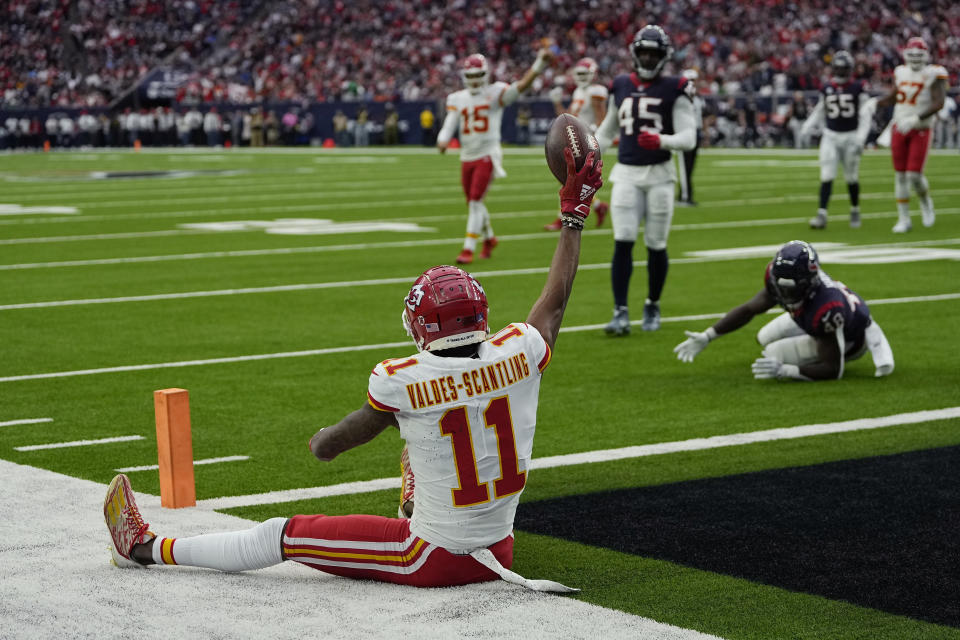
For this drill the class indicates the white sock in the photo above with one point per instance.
(254, 548)
(901, 188)
(475, 224)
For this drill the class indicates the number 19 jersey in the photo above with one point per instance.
(469, 425)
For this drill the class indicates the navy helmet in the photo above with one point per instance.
(651, 49)
(795, 274)
(842, 65)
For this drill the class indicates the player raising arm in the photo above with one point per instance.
(918, 94)
(825, 323)
(466, 405)
(476, 112)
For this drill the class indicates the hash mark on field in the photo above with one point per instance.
(10, 423)
(77, 443)
(393, 345)
(608, 455)
(154, 467)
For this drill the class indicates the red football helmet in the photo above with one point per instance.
(584, 71)
(916, 54)
(445, 308)
(475, 72)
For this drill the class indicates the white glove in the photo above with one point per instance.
(556, 95)
(908, 123)
(695, 343)
(767, 369)
(543, 59)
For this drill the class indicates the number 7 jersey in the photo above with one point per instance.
(469, 425)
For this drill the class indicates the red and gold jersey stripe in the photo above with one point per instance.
(379, 406)
(546, 358)
(400, 557)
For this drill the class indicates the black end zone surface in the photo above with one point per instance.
(878, 532)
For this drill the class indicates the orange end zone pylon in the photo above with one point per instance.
(174, 448)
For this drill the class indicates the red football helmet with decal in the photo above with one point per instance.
(445, 308)
(475, 72)
(916, 54)
(584, 71)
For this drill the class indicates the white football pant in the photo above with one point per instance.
(631, 204)
(839, 147)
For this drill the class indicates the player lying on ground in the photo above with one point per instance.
(466, 405)
(825, 324)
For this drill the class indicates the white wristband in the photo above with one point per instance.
(711, 334)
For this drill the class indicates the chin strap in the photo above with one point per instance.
(487, 559)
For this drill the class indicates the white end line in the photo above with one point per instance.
(606, 455)
(77, 443)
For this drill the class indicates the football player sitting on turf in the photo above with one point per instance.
(466, 405)
(825, 324)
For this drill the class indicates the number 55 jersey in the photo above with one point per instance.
(469, 425)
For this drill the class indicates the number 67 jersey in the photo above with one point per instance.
(469, 425)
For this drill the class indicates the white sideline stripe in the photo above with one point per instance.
(154, 467)
(607, 455)
(106, 236)
(77, 443)
(10, 423)
(403, 280)
(392, 345)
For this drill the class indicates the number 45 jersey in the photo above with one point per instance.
(469, 425)
(646, 106)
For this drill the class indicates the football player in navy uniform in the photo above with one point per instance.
(845, 112)
(825, 324)
(654, 116)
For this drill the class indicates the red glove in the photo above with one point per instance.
(578, 191)
(648, 140)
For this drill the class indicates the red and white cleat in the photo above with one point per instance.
(406, 489)
(488, 245)
(465, 257)
(556, 225)
(124, 522)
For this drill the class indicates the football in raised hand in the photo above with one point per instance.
(567, 131)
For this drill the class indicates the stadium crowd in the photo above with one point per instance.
(58, 53)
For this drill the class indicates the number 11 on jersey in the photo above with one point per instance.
(456, 425)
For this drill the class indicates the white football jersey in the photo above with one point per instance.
(469, 425)
(478, 120)
(913, 91)
(581, 105)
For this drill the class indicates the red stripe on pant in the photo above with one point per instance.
(377, 548)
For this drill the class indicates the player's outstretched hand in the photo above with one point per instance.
(695, 343)
(578, 191)
(767, 369)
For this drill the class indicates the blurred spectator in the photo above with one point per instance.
(427, 123)
(256, 127)
(523, 125)
(289, 127)
(340, 136)
(361, 129)
(212, 127)
(271, 129)
(391, 126)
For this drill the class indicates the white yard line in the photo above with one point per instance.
(364, 246)
(607, 455)
(77, 443)
(387, 345)
(11, 423)
(154, 467)
(405, 279)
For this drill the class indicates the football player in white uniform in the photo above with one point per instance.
(466, 405)
(845, 112)
(918, 94)
(589, 103)
(476, 112)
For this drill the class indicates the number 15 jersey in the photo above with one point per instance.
(469, 425)
(478, 118)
